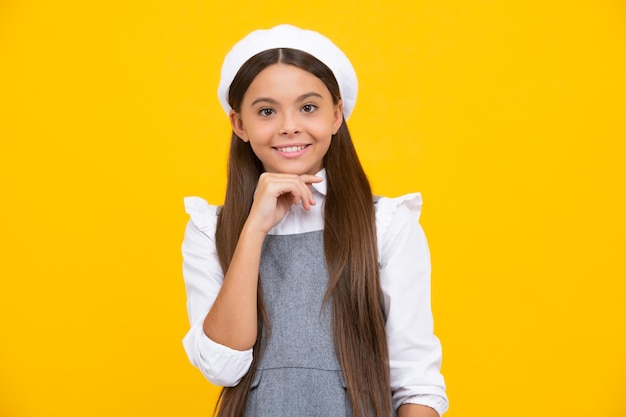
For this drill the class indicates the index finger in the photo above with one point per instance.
(310, 179)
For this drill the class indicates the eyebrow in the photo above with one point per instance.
(272, 101)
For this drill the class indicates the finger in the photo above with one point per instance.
(298, 190)
(310, 179)
(305, 193)
(292, 188)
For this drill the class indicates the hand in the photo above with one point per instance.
(415, 410)
(274, 196)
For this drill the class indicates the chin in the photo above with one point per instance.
(296, 170)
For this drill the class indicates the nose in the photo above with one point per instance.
(290, 125)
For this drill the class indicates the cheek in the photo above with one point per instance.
(321, 127)
(260, 132)
(324, 132)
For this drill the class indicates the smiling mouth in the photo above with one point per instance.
(291, 149)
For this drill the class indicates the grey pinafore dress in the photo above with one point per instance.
(298, 374)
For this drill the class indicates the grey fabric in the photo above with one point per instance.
(298, 373)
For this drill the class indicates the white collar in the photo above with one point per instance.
(320, 187)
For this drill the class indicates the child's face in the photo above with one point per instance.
(288, 116)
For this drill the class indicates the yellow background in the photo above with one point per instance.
(507, 115)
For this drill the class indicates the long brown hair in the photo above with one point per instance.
(349, 245)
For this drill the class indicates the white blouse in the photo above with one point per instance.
(404, 259)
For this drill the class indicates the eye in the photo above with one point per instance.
(266, 112)
(309, 108)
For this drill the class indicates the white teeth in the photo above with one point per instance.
(291, 148)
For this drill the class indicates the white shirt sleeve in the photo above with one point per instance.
(203, 277)
(414, 350)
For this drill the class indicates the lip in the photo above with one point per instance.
(292, 150)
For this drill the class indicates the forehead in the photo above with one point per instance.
(283, 79)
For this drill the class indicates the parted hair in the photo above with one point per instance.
(349, 246)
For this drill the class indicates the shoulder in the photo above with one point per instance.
(396, 217)
(202, 214)
(407, 207)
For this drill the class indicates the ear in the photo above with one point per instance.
(337, 117)
(237, 124)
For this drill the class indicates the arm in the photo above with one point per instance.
(216, 356)
(203, 278)
(414, 350)
(232, 320)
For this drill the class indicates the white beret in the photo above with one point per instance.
(287, 36)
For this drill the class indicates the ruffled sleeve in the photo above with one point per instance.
(404, 258)
(203, 279)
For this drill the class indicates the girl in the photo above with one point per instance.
(306, 295)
